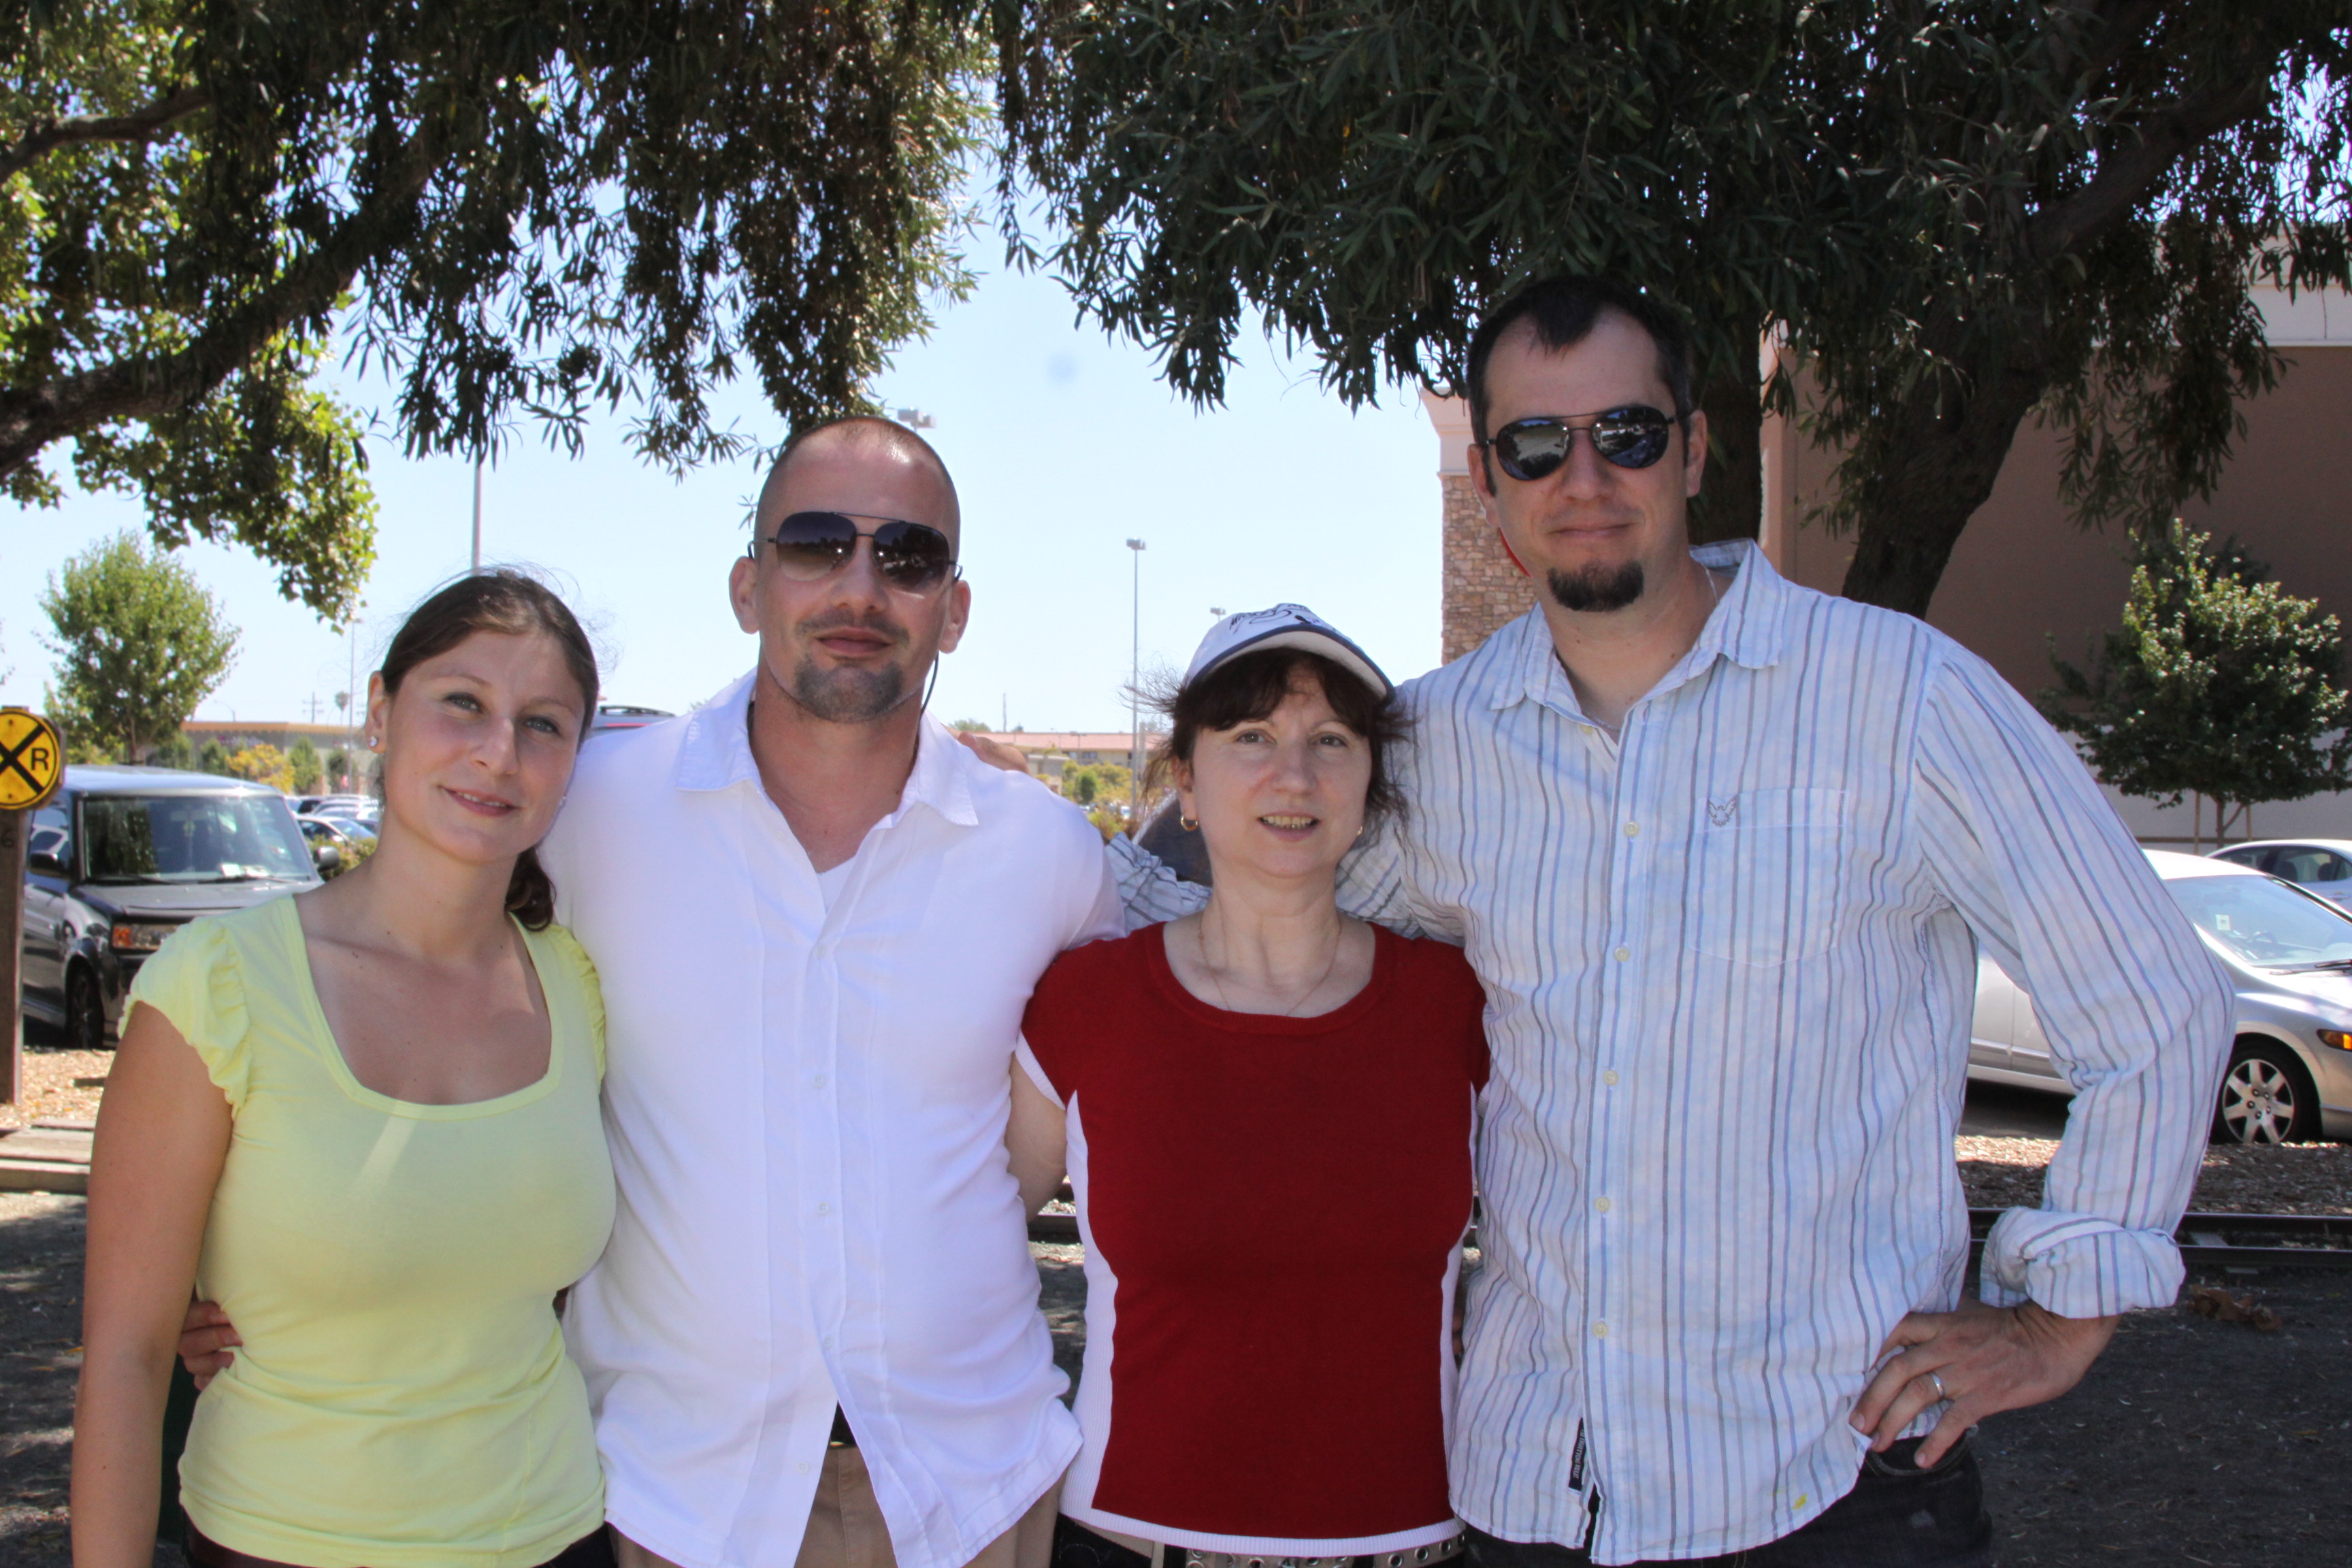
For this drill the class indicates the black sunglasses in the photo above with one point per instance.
(1633, 436)
(912, 557)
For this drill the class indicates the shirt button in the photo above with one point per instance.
(1610, 1079)
(818, 1080)
(802, 1467)
(1601, 1204)
(1624, 953)
(1632, 830)
(1600, 1330)
(825, 1209)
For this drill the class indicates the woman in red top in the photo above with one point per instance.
(1266, 1061)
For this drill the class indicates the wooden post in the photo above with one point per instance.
(14, 827)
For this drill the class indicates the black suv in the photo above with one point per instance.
(120, 858)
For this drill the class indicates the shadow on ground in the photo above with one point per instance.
(2191, 1442)
(40, 1340)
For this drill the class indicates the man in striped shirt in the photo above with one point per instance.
(1723, 851)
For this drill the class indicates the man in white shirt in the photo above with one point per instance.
(1723, 851)
(817, 918)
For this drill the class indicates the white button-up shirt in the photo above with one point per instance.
(1730, 963)
(807, 1111)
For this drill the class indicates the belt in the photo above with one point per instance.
(1396, 1557)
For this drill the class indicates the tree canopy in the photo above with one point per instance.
(2217, 682)
(1958, 213)
(138, 641)
(517, 210)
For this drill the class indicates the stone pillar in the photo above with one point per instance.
(1484, 589)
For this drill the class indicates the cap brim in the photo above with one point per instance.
(1307, 639)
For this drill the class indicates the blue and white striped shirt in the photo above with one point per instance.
(1730, 966)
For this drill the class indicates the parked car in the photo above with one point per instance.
(2322, 865)
(122, 856)
(331, 840)
(334, 805)
(621, 716)
(2289, 955)
(363, 812)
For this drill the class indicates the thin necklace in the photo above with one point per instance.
(1201, 941)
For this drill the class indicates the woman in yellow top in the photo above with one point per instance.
(364, 1121)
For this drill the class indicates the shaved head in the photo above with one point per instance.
(880, 447)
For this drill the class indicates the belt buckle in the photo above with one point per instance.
(1397, 1557)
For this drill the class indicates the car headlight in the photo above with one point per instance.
(2336, 1037)
(127, 937)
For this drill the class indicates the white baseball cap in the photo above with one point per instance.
(1284, 626)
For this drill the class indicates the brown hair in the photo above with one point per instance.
(1253, 685)
(1563, 311)
(512, 603)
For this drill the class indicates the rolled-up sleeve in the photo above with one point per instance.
(2137, 1012)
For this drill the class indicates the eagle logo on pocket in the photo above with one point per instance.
(1721, 812)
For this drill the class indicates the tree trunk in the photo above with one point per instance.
(1730, 502)
(1939, 451)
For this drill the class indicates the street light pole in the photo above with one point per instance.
(478, 514)
(1135, 702)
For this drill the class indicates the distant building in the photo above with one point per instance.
(235, 735)
(1051, 751)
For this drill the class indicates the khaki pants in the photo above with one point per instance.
(845, 1529)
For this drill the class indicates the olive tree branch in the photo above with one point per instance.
(147, 388)
(45, 136)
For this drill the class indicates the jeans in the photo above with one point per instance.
(1898, 1516)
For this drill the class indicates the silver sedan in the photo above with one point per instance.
(2289, 955)
(2322, 865)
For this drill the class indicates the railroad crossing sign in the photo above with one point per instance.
(32, 759)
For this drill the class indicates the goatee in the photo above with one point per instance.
(848, 696)
(1597, 587)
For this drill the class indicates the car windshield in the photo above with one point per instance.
(2265, 922)
(236, 837)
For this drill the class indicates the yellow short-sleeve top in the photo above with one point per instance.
(403, 1398)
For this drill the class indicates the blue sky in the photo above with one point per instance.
(1063, 444)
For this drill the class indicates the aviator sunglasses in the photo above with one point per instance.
(1633, 436)
(912, 557)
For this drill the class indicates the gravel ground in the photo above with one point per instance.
(49, 1073)
(2291, 1178)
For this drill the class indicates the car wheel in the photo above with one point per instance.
(85, 1011)
(2266, 1098)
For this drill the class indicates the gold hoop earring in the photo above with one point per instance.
(1189, 823)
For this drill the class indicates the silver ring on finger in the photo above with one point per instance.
(1936, 1380)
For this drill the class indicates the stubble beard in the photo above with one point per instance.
(848, 696)
(1596, 587)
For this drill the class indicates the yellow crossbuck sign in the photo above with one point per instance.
(32, 759)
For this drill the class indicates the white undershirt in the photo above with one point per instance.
(830, 883)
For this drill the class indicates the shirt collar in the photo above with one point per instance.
(1747, 626)
(717, 755)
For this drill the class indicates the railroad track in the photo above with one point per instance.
(2215, 1240)
(2242, 1240)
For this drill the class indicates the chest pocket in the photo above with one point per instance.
(1769, 876)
